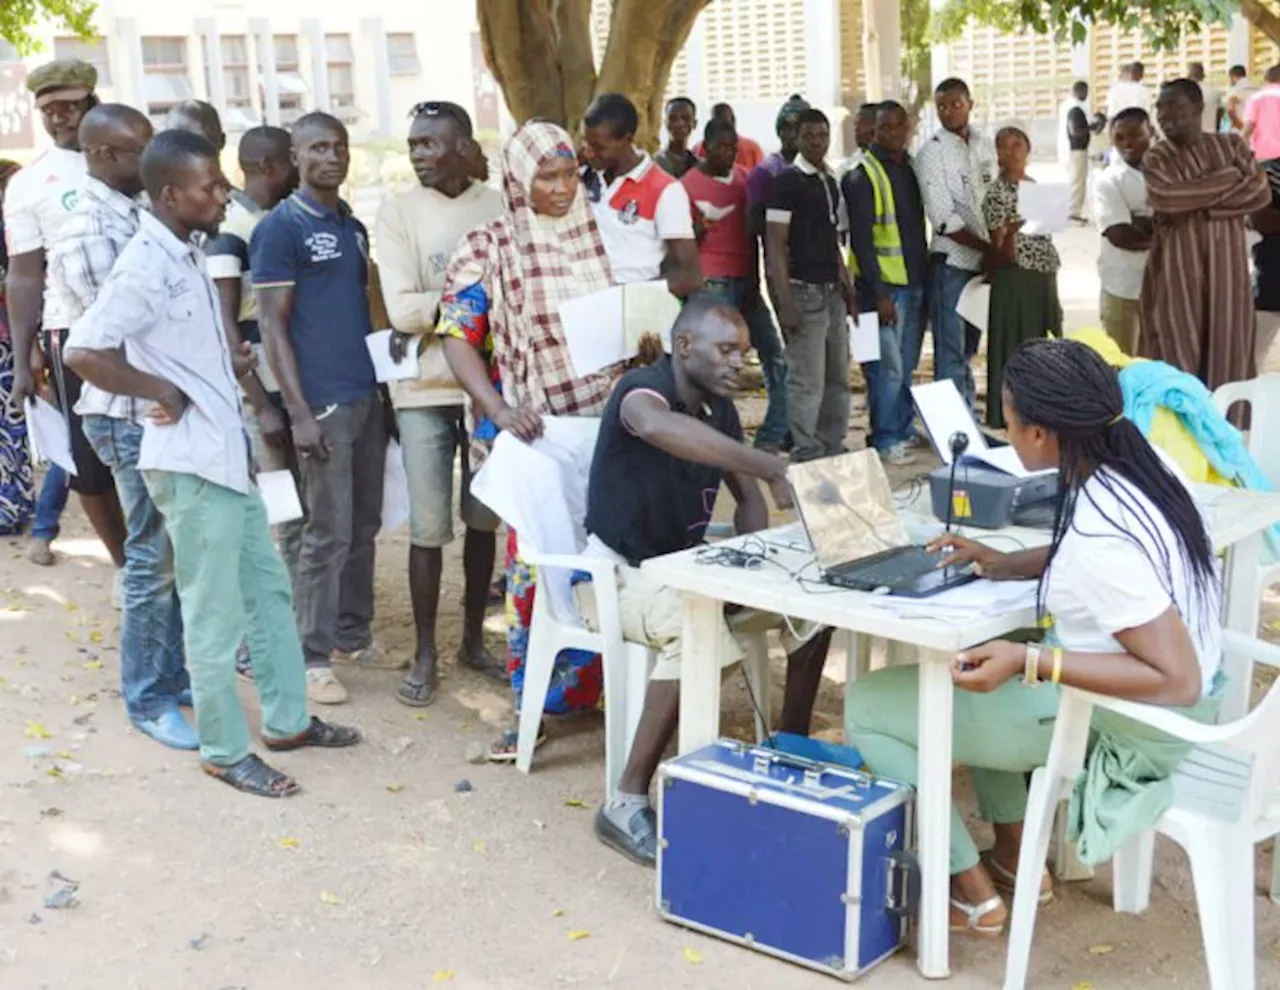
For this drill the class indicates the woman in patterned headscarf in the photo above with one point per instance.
(16, 495)
(499, 315)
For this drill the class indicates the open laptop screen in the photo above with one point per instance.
(846, 507)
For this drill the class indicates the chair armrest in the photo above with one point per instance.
(571, 562)
(1250, 647)
(720, 531)
(1178, 726)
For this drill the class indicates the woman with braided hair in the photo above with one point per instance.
(1130, 582)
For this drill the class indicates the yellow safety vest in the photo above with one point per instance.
(884, 229)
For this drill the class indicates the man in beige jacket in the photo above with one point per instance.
(418, 232)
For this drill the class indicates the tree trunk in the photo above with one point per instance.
(1261, 16)
(539, 51)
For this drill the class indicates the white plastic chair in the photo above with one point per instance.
(1226, 799)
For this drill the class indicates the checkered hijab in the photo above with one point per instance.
(528, 264)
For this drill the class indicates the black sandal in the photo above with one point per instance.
(253, 776)
(316, 733)
(417, 695)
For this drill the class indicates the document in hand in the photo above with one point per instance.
(974, 304)
(1045, 206)
(944, 414)
(49, 436)
(280, 496)
(384, 369)
(864, 338)
(605, 327)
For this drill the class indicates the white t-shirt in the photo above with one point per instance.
(1119, 195)
(36, 205)
(1110, 575)
(1212, 104)
(637, 214)
(1124, 95)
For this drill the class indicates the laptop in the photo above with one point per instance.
(847, 511)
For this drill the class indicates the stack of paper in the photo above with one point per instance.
(981, 597)
(605, 327)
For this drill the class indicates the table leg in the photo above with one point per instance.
(700, 672)
(1243, 604)
(933, 814)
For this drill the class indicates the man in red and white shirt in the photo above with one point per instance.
(642, 212)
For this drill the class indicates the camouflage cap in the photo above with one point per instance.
(67, 79)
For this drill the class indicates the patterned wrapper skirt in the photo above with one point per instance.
(17, 495)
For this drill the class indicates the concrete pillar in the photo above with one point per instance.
(1237, 45)
(260, 28)
(695, 51)
(132, 87)
(207, 28)
(314, 33)
(822, 53)
(376, 29)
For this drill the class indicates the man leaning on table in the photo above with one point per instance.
(669, 436)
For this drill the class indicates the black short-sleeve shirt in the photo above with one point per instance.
(641, 501)
(812, 200)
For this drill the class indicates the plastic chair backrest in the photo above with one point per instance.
(1262, 394)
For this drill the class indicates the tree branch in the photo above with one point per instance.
(520, 44)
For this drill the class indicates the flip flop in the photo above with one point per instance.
(417, 695)
(504, 749)
(492, 668)
(1005, 882)
(253, 776)
(974, 913)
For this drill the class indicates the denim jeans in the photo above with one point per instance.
(889, 379)
(818, 372)
(955, 341)
(233, 583)
(152, 668)
(50, 503)
(764, 338)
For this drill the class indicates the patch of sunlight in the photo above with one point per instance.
(12, 613)
(44, 591)
(84, 551)
(76, 841)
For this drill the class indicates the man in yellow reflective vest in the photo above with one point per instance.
(890, 262)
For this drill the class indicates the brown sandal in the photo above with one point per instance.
(317, 733)
(253, 776)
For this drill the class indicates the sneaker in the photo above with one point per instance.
(898, 455)
(323, 688)
(638, 841)
(40, 552)
(117, 590)
(171, 730)
(371, 658)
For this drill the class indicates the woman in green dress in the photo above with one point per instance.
(1024, 275)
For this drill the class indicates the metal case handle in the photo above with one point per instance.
(902, 898)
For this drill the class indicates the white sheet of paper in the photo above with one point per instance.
(864, 338)
(395, 490)
(647, 307)
(50, 438)
(1004, 459)
(384, 369)
(944, 414)
(593, 329)
(280, 495)
(1045, 206)
(974, 304)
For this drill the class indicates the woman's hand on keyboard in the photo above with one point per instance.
(959, 550)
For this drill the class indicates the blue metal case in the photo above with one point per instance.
(802, 860)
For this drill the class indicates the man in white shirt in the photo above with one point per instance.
(955, 166)
(1124, 218)
(642, 212)
(1212, 116)
(1130, 91)
(155, 333)
(37, 203)
(1239, 93)
(418, 231)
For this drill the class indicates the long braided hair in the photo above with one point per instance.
(1067, 388)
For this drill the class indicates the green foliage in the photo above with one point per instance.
(17, 17)
(1163, 21)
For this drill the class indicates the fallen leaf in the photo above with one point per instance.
(289, 842)
(54, 772)
(691, 957)
(35, 730)
(63, 754)
(443, 976)
(331, 899)
(1083, 986)
(395, 788)
(421, 717)
(93, 665)
(558, 913)
(1101, 950)
(575, 803)
(478, 845)
(578, 935)
(74, 699)
(95, 636)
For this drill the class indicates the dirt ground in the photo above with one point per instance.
(381, 874)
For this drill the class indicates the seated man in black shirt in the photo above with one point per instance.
(670, 434)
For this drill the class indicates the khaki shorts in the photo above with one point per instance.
(653, 614)
(1120, 320)
(430, 438)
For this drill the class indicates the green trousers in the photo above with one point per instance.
(1000, 737)
(231, 582)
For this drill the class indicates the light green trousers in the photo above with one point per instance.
(231, 581)
(1000, 737)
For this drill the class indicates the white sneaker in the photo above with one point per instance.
(323, 688)
(117, 590)
(898, 455)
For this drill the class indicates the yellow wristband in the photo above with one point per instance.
(1031, 674)
(1057, 666)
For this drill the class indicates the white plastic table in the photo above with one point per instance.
(1237, 520)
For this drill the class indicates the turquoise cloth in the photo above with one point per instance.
(1149, 384)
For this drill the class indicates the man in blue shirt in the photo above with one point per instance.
(310, 264)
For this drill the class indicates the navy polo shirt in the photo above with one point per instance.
(324, 256)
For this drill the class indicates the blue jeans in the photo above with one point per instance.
(889, 379)
(955, 341)
(50, 503)
(152, 666)
(764, 338)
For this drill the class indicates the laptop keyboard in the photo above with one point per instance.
(898, 566)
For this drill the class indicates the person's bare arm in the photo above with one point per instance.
(270, 422)
(25, 298)
(778, 266)
(751, 514)
(684, 277)
(648, 417)
(469, 368)
(1128, 237)
(1249, 128)
(275, 309)
(1266, 221)
(1020, 565)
